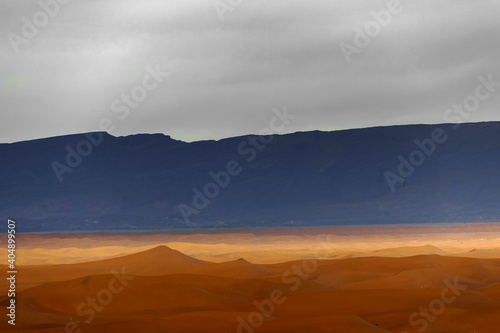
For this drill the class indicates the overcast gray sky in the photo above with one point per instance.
(226, 76)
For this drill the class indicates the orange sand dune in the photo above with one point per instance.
(163, 290)
(158, 261)
(268, 245)
(237, 268)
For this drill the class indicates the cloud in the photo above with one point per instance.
(227, 76)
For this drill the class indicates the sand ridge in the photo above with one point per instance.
(269, 245)
(173, 292)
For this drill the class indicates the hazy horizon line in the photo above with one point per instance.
(250, 134)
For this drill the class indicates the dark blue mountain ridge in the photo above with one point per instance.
(96, 181)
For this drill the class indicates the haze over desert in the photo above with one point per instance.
(269, 245)
(338, 279)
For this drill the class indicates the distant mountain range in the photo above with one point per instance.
(397, 174)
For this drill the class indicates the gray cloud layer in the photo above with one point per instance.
(227, 76)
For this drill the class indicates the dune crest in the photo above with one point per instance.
(174, 292)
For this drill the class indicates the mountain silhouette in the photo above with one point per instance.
(396, 174)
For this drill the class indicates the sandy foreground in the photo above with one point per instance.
(337, 279)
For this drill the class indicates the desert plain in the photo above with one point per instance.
(420, 278)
